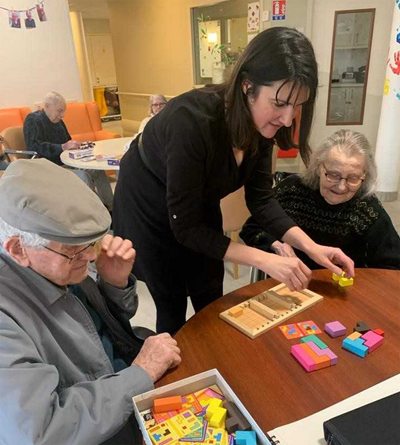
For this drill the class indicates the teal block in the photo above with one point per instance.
(355, 346)
(245, 438)
(315, 339)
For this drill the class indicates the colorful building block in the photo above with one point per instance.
(315, 339)
(356, 346)
(342, 280)
(362, 327)
(372, 340)
(324, 352)
(354, 335)
(320, 361)
(235, 311)
(167, 404)
(379, 332)
(217, 420)
(311, 356)
(213, 404)
(302, 357)
(335, 329)
(235, 420)
(245, 438)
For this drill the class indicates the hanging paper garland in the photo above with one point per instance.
(14, 16)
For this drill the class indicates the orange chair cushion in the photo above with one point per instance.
(77, 121)
(13, 117)
(84, 123)
(94, 115)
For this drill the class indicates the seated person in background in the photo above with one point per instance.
(69, 362)
(333, 202)
(46, 133)
(156, 103)
(3, 160)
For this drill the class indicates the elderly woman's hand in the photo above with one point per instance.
(282, 249)
(115, 260)
(332, 258)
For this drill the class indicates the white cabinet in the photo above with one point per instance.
(345, 103)
(353, 30)
(349, 66)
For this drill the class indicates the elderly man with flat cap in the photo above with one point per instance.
(69, 363)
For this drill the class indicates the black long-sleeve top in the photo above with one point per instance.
(360, 227)
(188, 148)
(44, 136)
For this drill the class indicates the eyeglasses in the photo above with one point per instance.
(335, 178)
(70, 258)
(158, 105)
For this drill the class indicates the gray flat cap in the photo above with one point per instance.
(38, 196)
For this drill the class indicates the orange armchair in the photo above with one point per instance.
(13, 117)
(84, 124)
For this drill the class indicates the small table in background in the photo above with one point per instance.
(107, 147)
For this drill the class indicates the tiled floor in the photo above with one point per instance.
(145, 315)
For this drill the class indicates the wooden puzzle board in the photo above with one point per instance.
(257, 315)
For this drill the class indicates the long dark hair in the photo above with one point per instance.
(276, 54)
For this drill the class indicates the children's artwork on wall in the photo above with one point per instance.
(14, 16)
(253, 17)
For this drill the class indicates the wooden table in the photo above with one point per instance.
(271, 384)
(106, 147)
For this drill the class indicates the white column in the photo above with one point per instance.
(387, 153)
(78, 34)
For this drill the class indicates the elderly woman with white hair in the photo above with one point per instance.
(156, 103)
(334, 203)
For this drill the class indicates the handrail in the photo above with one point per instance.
(127, 93)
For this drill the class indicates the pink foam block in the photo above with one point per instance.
(372, 340)
(321, 352)
(305, 360)
(335, 329)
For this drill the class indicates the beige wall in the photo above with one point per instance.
(153, 49)
(36, 61)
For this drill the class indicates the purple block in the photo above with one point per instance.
(335, 329)
(321, 352)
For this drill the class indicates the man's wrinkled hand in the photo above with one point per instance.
(115, 260)
(158, 354)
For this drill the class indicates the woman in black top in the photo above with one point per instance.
(202, 146)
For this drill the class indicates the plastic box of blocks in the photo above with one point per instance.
(189, 385)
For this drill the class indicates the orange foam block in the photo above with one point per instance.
(167, 404)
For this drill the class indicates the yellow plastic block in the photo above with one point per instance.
(213, 404)
(343, 281)
(218, 417)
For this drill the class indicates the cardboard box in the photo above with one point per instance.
(189, 385)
